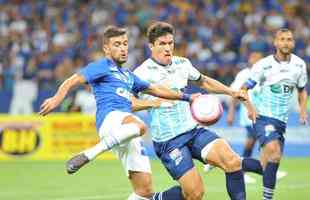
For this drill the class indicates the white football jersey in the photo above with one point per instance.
(169, 122)
(277, 81)
(237, 84)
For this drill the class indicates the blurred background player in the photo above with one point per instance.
(277, 75)
(244, 120)
(116, 125)
(176, 136)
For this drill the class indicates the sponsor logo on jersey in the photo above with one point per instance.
(123, 93)
(267, 67)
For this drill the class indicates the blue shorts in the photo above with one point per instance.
(250, 132)
(177, 154)
(268, 129)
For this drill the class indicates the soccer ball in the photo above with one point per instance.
(206, 109)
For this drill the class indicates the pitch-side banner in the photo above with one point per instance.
(54, 137)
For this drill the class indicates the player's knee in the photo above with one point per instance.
(145, 188)
(194, 194)
(274, 153)
(275, 157)
(144, 191)
(232, 163)
(142, 127)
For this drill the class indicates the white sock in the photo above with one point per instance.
(118, 136)
(134, 196)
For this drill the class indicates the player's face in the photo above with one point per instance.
(117, 49)
(162, 49)
(284, 42)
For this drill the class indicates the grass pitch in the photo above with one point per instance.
(105, 180)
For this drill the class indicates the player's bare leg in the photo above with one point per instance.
(221, 155)
(192, 185)
(131, 127)
(142, 185)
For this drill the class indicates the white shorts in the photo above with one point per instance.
(130, 153)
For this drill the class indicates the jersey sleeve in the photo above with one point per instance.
(94, 71)
(139, 84)
(257, 72)
(194, 74)
(238, 82)
(303, 78)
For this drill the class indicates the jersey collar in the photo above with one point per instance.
(278, 61)
(158, 63)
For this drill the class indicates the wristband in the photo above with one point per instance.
(250, 83)
(186, 97)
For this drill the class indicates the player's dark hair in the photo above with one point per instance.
(158, 29)
(112, 31)
(282, 30)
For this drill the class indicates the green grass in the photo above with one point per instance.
(105, 180)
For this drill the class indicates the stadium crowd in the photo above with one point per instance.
(43, 42)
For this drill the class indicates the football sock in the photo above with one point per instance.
(252, 165)
(120, 135)
(174, 193)
(247, 153)
(235, 185)
(269, 179)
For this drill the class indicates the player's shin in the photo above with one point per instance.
(235, 185)
(269, 179)
(116, 137)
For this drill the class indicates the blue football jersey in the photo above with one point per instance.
(112, 87)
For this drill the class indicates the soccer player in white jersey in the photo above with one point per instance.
(117, 127)
(244, 120)
(278, 76)
(176, 136)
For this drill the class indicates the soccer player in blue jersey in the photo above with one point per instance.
(278, 76)
(118, 128)
(177, 137)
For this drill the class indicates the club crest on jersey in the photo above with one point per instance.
(123, 93)
(269, 129)
(176, 155)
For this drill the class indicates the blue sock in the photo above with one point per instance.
(252, 165)
(247, 153)
(174, 193)
(235, 185)
(269, 179)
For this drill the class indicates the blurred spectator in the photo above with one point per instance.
(84, 102)
(46, 41)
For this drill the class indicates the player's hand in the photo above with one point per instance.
(48, 105)
(303, 117)
(242, 95)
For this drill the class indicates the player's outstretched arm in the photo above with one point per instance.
(141, 104)
(214, 86)
(302, 99)
(231, 111)
(51, 103)
(144, 104)
(164, 92)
